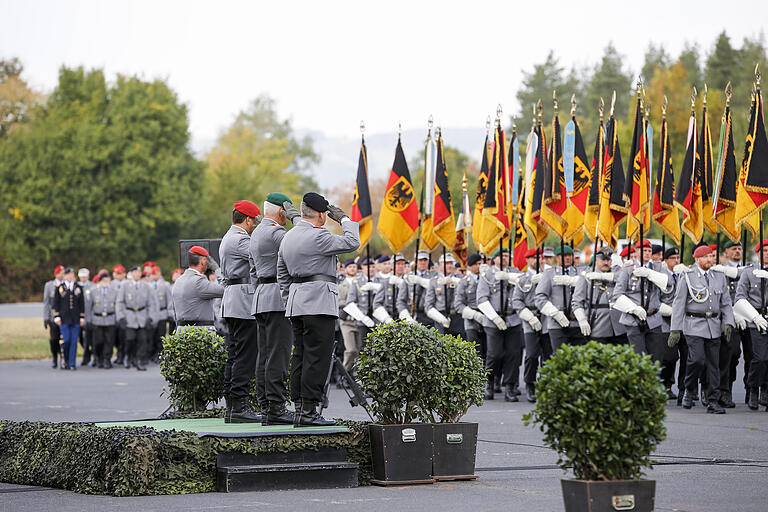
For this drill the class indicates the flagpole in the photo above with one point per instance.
(643, 284)
(513, 222)
(599, 170)
(566, 307)
(758, 104)
(421, 210)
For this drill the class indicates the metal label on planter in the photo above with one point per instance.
(454, 438)
(409, 435)
(623, 502)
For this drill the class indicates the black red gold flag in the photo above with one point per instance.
(726, 177)
(534, 194)
(596, 171)
(706, 164)
(362, 211)
(443, 222)
(636, 185)
(495, 220)
(664, 211)
(613, 210)
(688, 193)
(482, 183)
(577, 203)
(399, 217)
(752, 194)
(555, 199)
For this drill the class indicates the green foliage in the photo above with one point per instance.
(720, 62)
(192, 362)
(655, 58)
(133, 461)
(601, 408)
(689, 58)
(463, 383)
(457, 164)
(608, 76)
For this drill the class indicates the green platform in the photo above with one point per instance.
(215, 427)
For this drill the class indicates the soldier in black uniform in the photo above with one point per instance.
(69, 316)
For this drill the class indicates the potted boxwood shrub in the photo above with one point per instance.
(601, 408)
(455, 442)
(401, 370)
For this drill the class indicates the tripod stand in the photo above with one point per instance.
(348, 384)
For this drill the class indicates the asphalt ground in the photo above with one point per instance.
(707, 462)
(22, 310)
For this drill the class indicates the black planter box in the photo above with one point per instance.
(609, 496)
(401, 454)
(455, 447)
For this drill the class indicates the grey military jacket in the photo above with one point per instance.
(360, 297)
(436, 296)
(192, 297)
(162, 291)
(702, 298)
(466, 297)
(265, 242)
(308, 251)
(49, 291)
(386, 297)
(603, 319)
(236, 272)
(344, 286)
(667, 297)
(559, 296)
(733, 283)
(405, 294)
(136, 304)
(524, 296)
(631, 286)
(749, 287)
(101, 306)
(489, 289)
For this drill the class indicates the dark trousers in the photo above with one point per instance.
(242, 356)
(504, 352)
(476, 335)
(620, 339)
(567, 336)
(537, 348)
(103, 339)
(312, 347)
(455, 329)
(647, 341)
(135, 349)
(275, 339)
(671, 356)
(156, 334)
(120, 343)
(54, 335)
(86, 341)
(703, 356)
(729, 350)
(744, 346)
(758, 368)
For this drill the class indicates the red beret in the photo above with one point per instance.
(177, 271)
(646, 243)
(247, 208)
(196, 249)
(58, 270)
(713, 247)
(530, 253)
(149, 264)
(625, 251)
(118, 269)
(701, 251)
(761, 244)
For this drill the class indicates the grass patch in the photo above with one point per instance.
(23, 338)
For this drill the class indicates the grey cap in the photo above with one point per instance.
(83, 272)
(422, 255)
(604, 253)
(548, 251)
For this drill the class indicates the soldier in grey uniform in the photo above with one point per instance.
(680, 351)
(49, 292)
(465, 304)
(438, 302)
(118, 280)
(100, 312)
(750, 308)
(275, 334)
(553, 300)
(193, 293)
(136, 306)
(702, 309)
(385, 300)
(238, 274)
(416, 285)
(86, 333)
(637, 296)
(348, 324)
(502, 327)
(306, 273)
(536, 338)
(162, 291)
(359, 306)
(591, 302)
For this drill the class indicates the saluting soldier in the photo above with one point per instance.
(54, 333)
(275, 336)
(100, 313)
(69, 315)
(465, 304)
(136, 306)
(306, 273)
(637, 297)
(702, 309)
(535, 336)
(193, 293)
(237, 271)
(416, 285)
(751, 305)
(553, 300)
(162, 291)
(591, 302)
(680, 351)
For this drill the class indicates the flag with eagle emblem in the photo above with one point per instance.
(399, 217)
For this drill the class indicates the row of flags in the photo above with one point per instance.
(558, 191)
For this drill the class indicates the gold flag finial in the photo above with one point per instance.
(664, 108)
(613, 103)
(704, 96)
(498, 113)
(601, 109)
(573, 105)
(539, 111)
(757, 76)
(554, 100)
(488, 125)
(693, 99)
(464, 182)
(728, 94)
(514, 128)
(647, 109)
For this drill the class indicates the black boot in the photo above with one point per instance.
(509, 394)
(497, 384)
(277, 414)
(309, 417)
(489, 388)
(726, 400)
(55, 362)
(753, 402)
(704, 397)
(530, 391)
(516, 389)
(242, 412)
(763, 395)
(139, 366)
(671, 394)
(227, 409)
(687, 400)
(746, 395)
(714, 407)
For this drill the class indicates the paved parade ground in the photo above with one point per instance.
(707, 463)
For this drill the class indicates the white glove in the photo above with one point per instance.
(565, 280)
(438, 317)
(625, 305)
(442, 281)
(748, 311)
(501, 275)
(657, 278)
(740, 321)
(405, 315)
(729, 271)
(528, 316)
(665, 310)
(760, 273)
(478, 316)
(370, 287)
(581, 317)
(382, 315)
(536, 277)
(394, 280)
(491, 314)
(679, 268)
(352, 310)
(421, 281)
(641, 272)
(558, 316)
(468, 313)
(599, 276)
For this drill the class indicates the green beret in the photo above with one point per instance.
(731, 243)
(498, 251)
(278, 198)
(565, 250)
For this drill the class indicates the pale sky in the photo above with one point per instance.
(331, 64)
